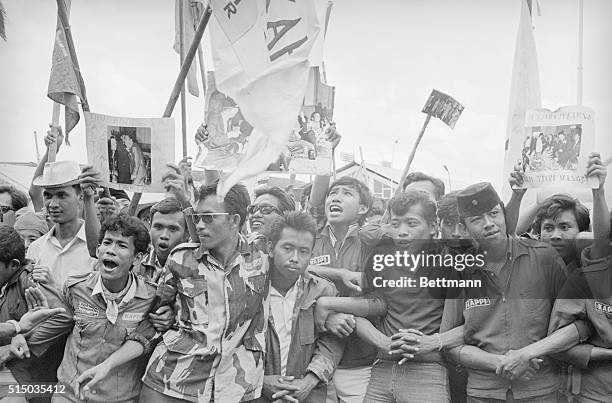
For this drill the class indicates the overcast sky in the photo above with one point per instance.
(383, 56)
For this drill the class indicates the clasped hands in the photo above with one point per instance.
(516, 364)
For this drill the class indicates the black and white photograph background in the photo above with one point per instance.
(129, 155)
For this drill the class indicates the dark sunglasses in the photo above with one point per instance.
(5, 209)
(265, 210)
(207, 218)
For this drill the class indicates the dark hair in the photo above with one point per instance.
(169, 205)
(447, 207)
(401, 203)
(297, 220)
(285, 202)
(11, 245)
(365, 197)
(235, 201)
(420, 177)
(554, 205)
(127, 226)
(19, 199)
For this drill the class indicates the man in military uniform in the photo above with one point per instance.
(220, 289)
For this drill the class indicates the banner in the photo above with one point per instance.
(130, 153)
(64, 87)
(555, 147)
(260, 52)
(524, 91)
(307, 150)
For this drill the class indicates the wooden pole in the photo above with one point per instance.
(180, 80)
(580, 42)
(187, 63)
(400, 186)
(36, 144)
(182, 57)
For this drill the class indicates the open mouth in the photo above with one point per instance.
(491, 234)
(256, 224)
(335, 209)
(162, 246)
(109, 264)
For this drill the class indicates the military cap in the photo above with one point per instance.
(477, 199)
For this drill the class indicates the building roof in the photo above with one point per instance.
(385, 172)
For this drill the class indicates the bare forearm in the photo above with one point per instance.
(560, 340)
(512, 212)
(452, 338)
(92, 225)
(366, 331)
(526, 218)
(474, 357)
(352, 305)
(601, 224)
(601, 354)
(129, 351)
(319, 190)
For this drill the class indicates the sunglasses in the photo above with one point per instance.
(5, 209)
(207, 218)
(265, 210)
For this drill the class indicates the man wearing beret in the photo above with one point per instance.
(520, 282)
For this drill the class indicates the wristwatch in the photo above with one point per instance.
(17, 326)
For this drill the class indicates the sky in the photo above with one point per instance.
(383, 57)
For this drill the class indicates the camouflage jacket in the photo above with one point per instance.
(217, 352)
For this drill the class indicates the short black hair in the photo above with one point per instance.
(556, 204)
(235, 201)
(19, 199)
(401, 203)
(365, 197)
(285, 202)
(127, 225)
(11, 245)
(297, 220)
(447, 207)
(169, 205)
(420, 177)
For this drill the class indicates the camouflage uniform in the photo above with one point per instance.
(217, 353)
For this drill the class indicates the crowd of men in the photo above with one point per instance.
(267, 299)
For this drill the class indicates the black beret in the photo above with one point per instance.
(477, 199)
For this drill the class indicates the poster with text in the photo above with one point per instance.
(556, 146)
(227, 135)
(130, 153)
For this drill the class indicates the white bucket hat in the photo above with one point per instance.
(59, 173)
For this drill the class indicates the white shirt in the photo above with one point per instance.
(282, 314)
(70, 260)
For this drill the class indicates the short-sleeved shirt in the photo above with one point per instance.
(222, 315)
(587, 295)
(348, 253)
(509, 312)
(70, 260)
(410, 303)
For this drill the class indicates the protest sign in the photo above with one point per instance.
(444, 107)
(556, 146)
(130, 153)
(307, 150)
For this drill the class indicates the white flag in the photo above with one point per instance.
(260, 52)
(524, 91)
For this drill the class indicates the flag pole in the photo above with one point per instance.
(580, 42)
(400, 186)
(180, 80)
(182, 57)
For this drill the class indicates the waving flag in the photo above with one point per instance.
(261, 52)
(524, 90)
(64, 87)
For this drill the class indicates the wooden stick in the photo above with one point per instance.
(400, 186)
(180, 80)
(176, 90)
(580, 42)
(182, 57)
(54, 121)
